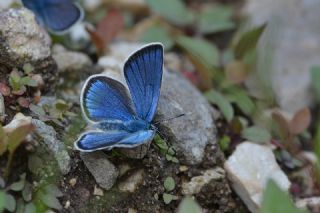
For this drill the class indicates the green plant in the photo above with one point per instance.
(277, 201)
(169, 185)
(189, 205)
(165, 149)
(22, 201)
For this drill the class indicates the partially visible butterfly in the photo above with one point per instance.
(122, 121)
(56, 15)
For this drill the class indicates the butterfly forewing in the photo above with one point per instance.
(143, 73)
(57, 15)
(106, 99)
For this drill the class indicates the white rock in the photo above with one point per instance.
(18, 120)
(91, 5)
(5, 4)
(70, 60)
(196, 183)
(288, 49)
(249, 168)
(79, 33)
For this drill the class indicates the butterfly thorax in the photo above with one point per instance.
(129, 126)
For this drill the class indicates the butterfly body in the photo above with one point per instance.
(57, 15)
(120, 119)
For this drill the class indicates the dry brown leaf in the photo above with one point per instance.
(236, 72)
(282, 122)
(300, 121)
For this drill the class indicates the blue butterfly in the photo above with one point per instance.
(105, 103)
(57, 15)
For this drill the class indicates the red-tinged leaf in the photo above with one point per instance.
(23, 102)
(300, 121)
(107, 29)
(4, 89)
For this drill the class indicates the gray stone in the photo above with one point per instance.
(191, 133)
(23, 41)
(103, 171)
(287, 50)
(70, 61)
(249, 168)
(132, 183)
(53, 145)
(137, 152)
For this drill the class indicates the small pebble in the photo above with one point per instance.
(97, 191)
(130, 210)
(183, 168)
(67, 205)
(73, 182)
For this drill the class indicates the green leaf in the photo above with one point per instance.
(27, 192)
(14, 80)
(167, 198)
(28, 81)
(224, 142)
(223, 104)
(256, 134)
(27, 68)
(215, 19)
(37, 110)
(18, 186)
(248, 41)
(10, 203)
(172, 10)
(277, 201)
(51, 201)
(204, 51)
(169, 184)
(315, 81)
(241, 99)
(204, 55)
(157, 33)
(53, 190)
(188, 205)
(2, 200)
(30, 208)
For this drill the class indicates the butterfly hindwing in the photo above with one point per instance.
(91, 141)
(143, 73)
(57, 15)
(95, 140)
(104, 99)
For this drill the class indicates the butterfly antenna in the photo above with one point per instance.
(169, 119)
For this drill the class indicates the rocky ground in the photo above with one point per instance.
(218, 153)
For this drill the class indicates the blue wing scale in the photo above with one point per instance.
(143, 73)
(106, 99)
(57, 15)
